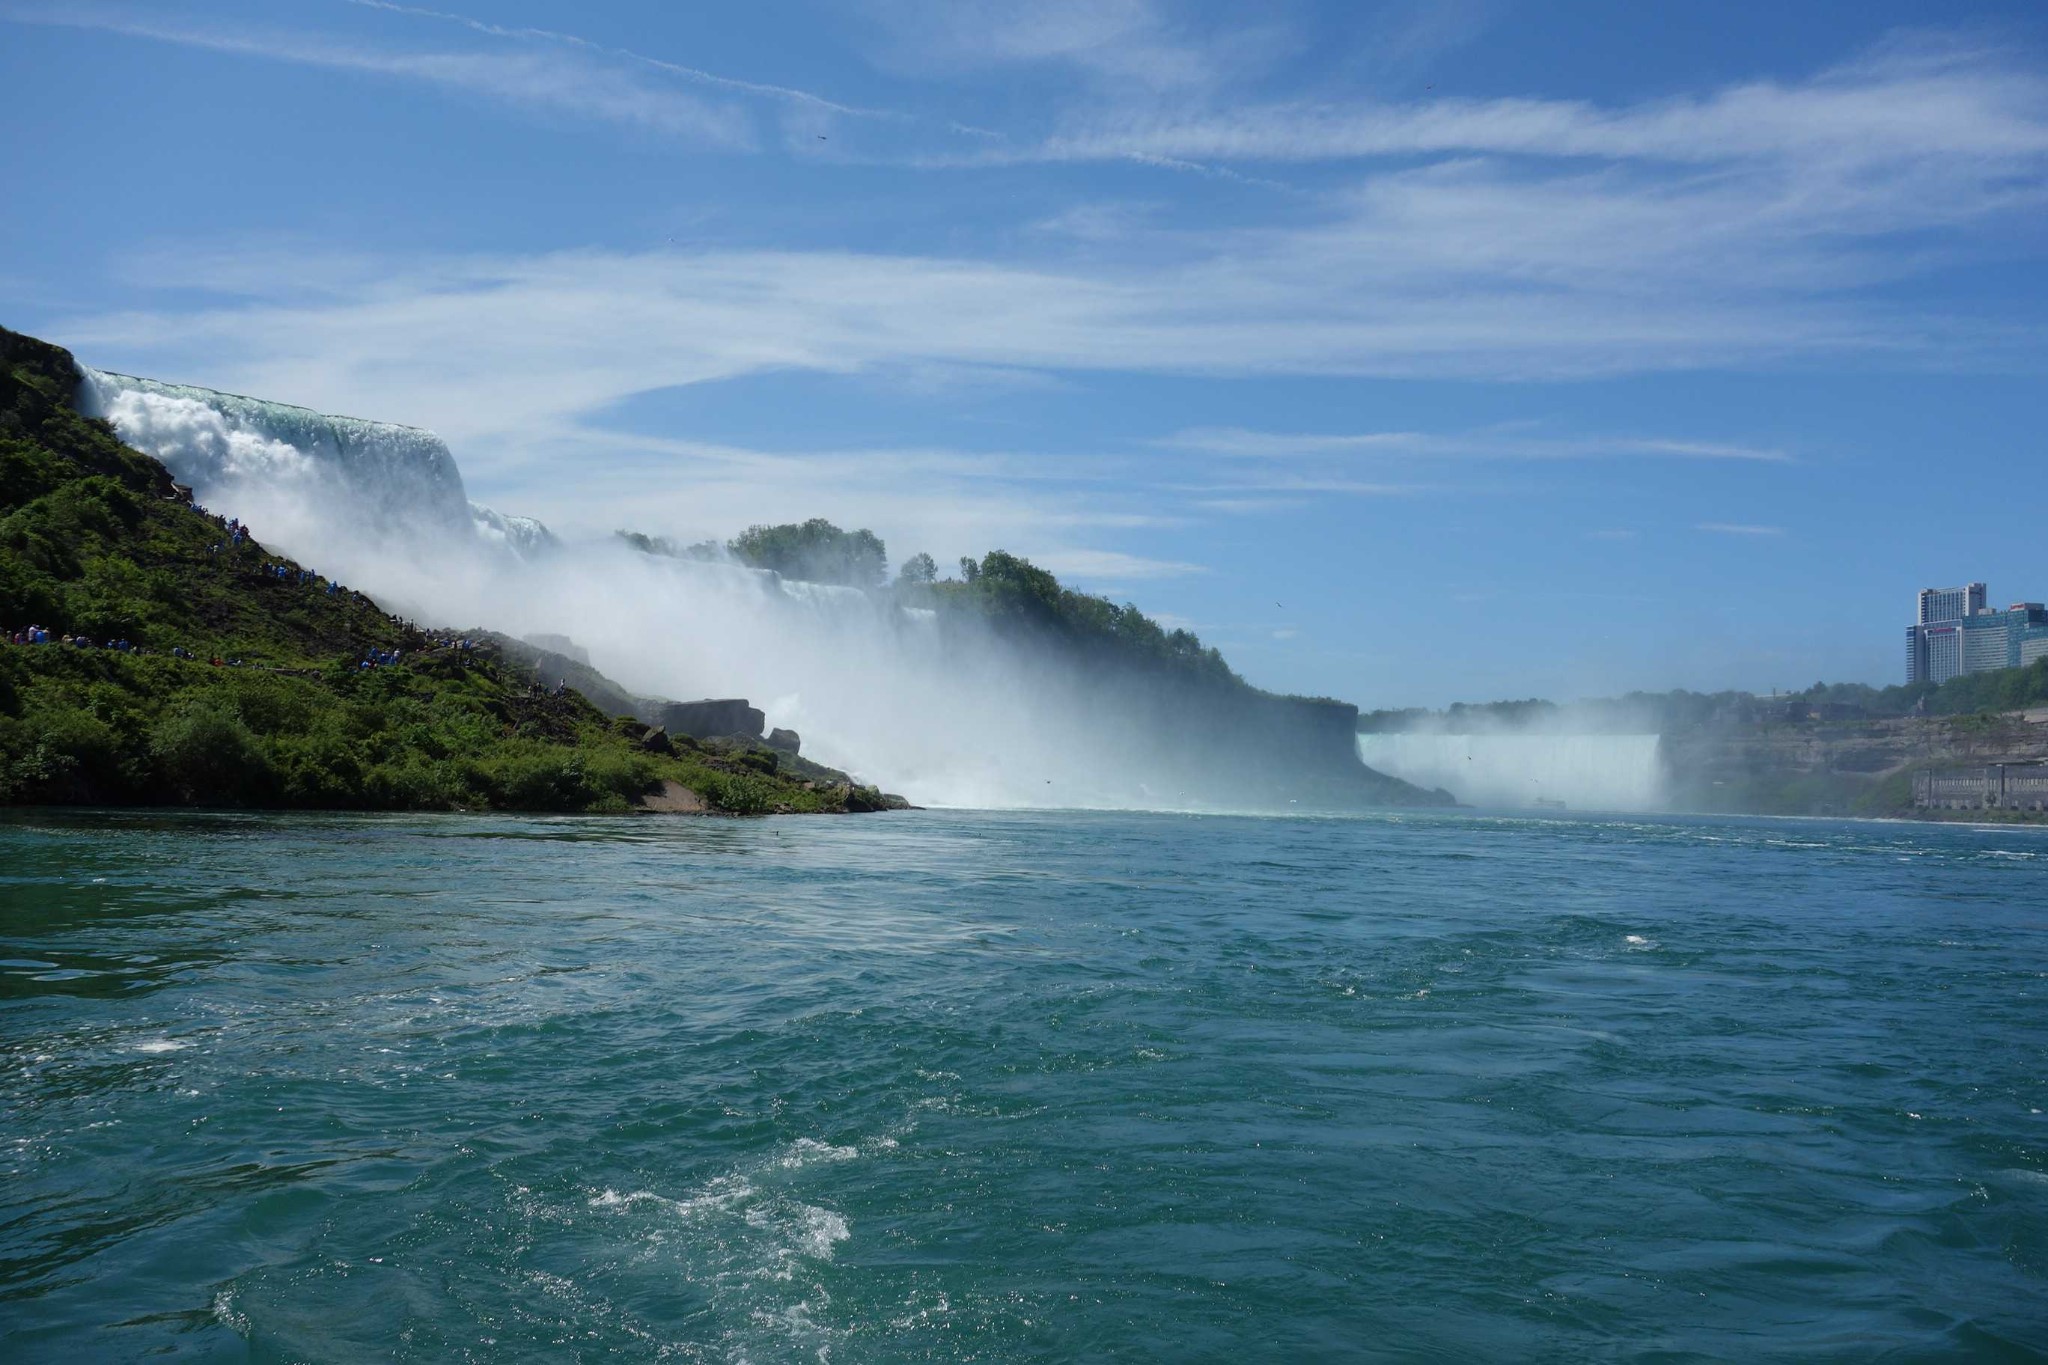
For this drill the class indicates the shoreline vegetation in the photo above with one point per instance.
(206, 670)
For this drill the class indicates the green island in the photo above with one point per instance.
(1007, 591)
(216, 672)
(1183, 716)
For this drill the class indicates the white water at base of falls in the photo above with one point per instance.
(1584, 772)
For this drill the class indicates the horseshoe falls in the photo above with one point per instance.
(1585, 772)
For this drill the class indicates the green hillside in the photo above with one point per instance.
(241, 678)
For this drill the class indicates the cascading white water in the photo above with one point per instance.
(1584, 772)
(523, 536)
(226, 447)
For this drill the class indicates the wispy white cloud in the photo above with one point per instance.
(533, 77)
(1256, 506)
(801, 98)
(1540, 238)
(1127, 46)
(1293, 483)
(945, 502)
(1727, 528)
(1113, 566)
(1490, 445)
(490, 345)
(1918, 96)
(1806, 186)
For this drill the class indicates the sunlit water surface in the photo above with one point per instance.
(939, 1087)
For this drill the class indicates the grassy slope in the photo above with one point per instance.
(93, 541)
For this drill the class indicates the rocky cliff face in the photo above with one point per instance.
(725, 717)
(1255, 749)
(1839, 767)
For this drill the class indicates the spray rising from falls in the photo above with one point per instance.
(947, 711)
(1584, 772)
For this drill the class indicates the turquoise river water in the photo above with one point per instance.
(951, 1086)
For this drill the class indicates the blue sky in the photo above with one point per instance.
(1412, 352)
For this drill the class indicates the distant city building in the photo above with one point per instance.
(1958, 632)
(1952, 604)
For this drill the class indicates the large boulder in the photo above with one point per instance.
(711, 719)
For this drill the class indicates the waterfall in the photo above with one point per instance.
(251, 458)
(1584, 772)
(523, 536)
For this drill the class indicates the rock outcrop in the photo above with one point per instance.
(713, 719)
(1830, 767)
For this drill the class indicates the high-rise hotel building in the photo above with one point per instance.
(1957, 632)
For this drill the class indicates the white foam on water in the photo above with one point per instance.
(721, 1193)
(748, 1240)
(228, 1315)
(1636, 943)
(806, 1151)
(812, 1230)
(154, 1045)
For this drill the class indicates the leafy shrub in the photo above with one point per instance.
(205, 752)
(740, 793)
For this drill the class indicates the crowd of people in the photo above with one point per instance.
(282, 571)
(291, 573)
(39, 635)
(238, 534)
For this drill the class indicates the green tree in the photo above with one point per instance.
(919, 570)
(814, 552)
(209, 756)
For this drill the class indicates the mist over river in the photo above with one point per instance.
(1032, 1085)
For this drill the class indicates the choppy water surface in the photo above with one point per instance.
(951, 1086)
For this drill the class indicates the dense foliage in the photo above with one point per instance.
(2004, 689)
(244, 681)
(1020, 596)
(815, 552)
(1007, 590)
